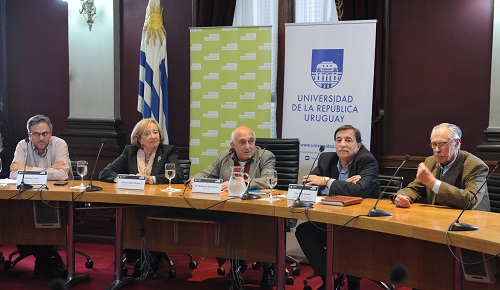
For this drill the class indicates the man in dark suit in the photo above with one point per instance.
(351, 170)
(449, 177)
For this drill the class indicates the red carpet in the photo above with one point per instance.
(204, 277)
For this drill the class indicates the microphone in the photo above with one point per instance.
(457, 225)
(378, 212)
(398, 273)
(58, 284)
(247, 195)
(22, 185)
(298, 202)
(91, 187)
(231, 152)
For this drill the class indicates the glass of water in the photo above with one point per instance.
(272, 180)
(170, 174)
(81, 169)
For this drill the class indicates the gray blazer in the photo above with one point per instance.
(221, 167)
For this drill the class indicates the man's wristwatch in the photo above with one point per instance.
(326, 180)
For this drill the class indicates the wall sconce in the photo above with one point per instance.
(89, 9)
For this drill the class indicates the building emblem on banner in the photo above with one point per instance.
(327, 66)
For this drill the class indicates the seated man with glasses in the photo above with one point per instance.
(47, 152)
(450, 177)
(42, 152)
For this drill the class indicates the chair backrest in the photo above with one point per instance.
(186, 168)
(494, 192)
(74, 169)
(287, 153)
(395, 184)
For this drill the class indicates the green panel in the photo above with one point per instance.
(230, 87)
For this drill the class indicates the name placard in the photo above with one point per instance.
(207, 185)
(308, 194)
(126, 181)
(32, 177)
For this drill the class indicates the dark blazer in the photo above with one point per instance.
(463, 180)
(363, 164)
(126, 163)
(7, 155)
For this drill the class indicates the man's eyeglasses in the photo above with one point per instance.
(440, 145)
(36, 134)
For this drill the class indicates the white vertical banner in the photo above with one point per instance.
(329, 69)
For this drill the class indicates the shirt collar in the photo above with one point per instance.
(36, 150)
(339, 166)
(445, 169)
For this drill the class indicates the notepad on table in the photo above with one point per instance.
(341, 200)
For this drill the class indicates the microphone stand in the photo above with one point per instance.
(91, 187)
(24, 186)
(247, 195)
(457, 225)
(187, 183)
(298, 202)
(378, 212)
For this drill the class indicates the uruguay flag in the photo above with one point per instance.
(153, 75)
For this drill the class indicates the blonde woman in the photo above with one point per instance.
(146, 156)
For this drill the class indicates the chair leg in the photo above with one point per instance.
(171, 273)
(385, 286)
(10, 264)
(89, 264)
(192, 263)
(296, 268)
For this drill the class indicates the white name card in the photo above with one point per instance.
(308, 194)
(207, 185)
(31, 177)
(126, 181)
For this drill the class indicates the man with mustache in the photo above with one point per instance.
(45, 153)
(351, 170)
(450, 177)
(245, 154)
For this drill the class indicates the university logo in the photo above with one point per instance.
(327, 66)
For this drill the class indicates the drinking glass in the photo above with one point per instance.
(170, 174)
(81, 169)
(272, 180)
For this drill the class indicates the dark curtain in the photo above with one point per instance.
(364, 10)
(2, 61)
(215, 12)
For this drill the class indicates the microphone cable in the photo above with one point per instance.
(235, 271)
(336, 229)
(71, 202)
(459, 259)
(10, 198)
(20, 191)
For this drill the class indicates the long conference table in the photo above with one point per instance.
(367, 247)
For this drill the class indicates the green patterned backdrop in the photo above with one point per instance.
(230, 87)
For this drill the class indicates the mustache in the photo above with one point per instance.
(440, 154)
